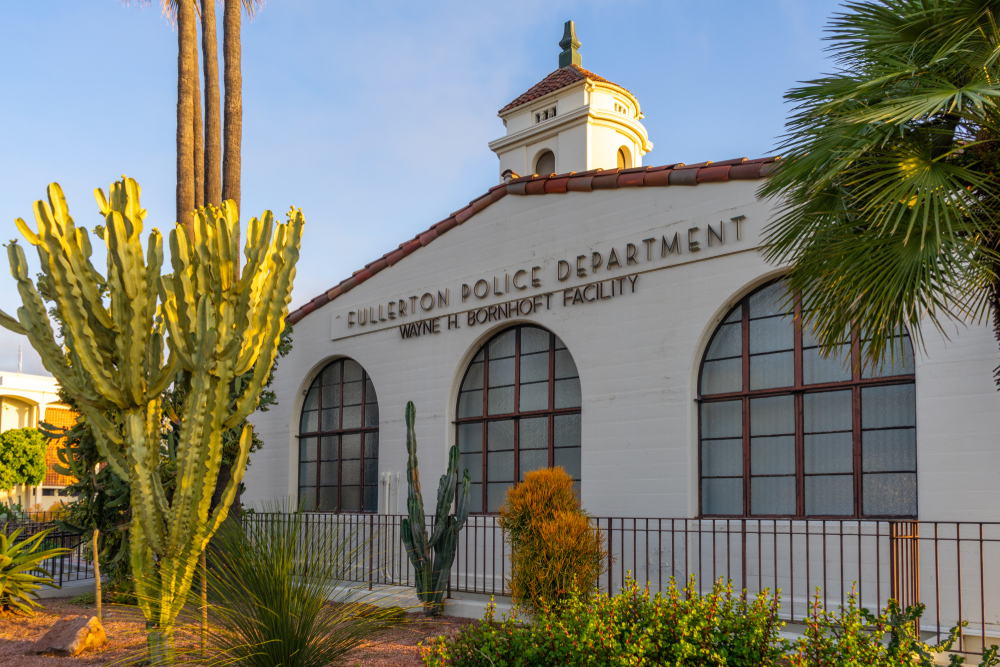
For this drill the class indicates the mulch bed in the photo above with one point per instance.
(126, 638)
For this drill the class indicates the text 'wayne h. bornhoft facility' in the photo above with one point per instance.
(618, 320)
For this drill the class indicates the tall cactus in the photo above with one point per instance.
(432, 556)
(218, 322)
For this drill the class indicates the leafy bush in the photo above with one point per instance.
(555, 551)
(21, 573)
(855, 637)
(281, 597)
(683, 628)
(22, 457)
(632, 628)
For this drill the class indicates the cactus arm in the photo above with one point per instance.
(53, 221)
(462, 510)
(444, 556)
(11, 324)
(149, 502)
(229, 493)
(414, 499)
(445, 496)
(108, 440)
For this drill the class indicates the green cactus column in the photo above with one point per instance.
(432, 556)
(217, 322)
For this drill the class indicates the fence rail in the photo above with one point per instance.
(951, 567)
(68, 567)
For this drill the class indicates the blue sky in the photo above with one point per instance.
(373, 117)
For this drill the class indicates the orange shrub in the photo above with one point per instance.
(555, 550)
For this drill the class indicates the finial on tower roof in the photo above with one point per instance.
(569, 44)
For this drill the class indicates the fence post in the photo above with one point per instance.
(371, 549)
(904, 562)
(743, 535)
(611, 557)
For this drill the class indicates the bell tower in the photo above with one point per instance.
(572, 120)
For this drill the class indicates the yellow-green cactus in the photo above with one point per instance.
(217, 322)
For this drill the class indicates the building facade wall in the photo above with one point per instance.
(638, 353)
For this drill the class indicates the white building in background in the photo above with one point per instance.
(26, 400)
(619, 320)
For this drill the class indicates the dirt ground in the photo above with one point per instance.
(126, 638)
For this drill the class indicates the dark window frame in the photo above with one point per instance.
(338, 433)
(517, 415)
(798, 390)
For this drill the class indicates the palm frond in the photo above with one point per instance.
(884, 214)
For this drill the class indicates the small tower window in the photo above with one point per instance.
(546, 163)
(624, 159)
(545, 114)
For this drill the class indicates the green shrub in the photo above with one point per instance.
(21, 573)
(856, 636)
(555, 550)
(680, 629)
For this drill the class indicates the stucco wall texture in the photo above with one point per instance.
(638, 354)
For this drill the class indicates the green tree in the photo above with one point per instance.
(22, 458)
(888, 211)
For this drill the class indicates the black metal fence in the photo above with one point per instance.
(68, 567)
(951, 567)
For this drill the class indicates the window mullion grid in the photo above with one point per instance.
(361, 436)
(856, 419)
(856, 437)
(800, 457)
(745, 325)
(552, 399)
(517, 404)
(340, 438)
(486, 444)
(317, 439)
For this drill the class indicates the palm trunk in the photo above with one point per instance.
(187, 39)
(213, 121)
(233, 123)
(199, 146)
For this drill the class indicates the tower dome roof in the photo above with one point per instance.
(562, 77)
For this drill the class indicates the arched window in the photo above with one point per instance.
(338, 441)
(622, 160)
(786, 432)
(518, 410)
(545, 164)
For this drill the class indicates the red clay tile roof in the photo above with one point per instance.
(60, 418)
(740, 169)
(559, 79)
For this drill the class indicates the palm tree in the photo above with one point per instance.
(187, 90)
(233, 78)
(213, 130)
(889, 213)
(204, 174)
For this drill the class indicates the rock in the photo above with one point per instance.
(70, 636)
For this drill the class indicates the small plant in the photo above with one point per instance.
(282, 599)
(554, 548)
(856, 636)
(84, 600)
(21, 572)
(433, 555)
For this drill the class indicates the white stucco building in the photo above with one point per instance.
(619, 320)
(25, 401)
